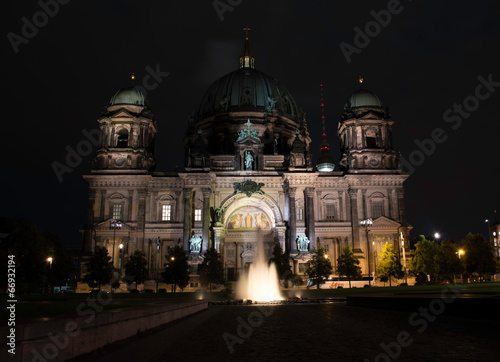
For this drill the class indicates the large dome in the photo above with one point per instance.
(363, 98)
(247, 89)
(128, 95)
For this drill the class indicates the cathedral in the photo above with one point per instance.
(248, 166)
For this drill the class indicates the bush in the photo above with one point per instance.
(403, 284)
(133, 291)
(149, 291)
(162, 290)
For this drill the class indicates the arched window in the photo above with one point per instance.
(122, 140)
(371, 138)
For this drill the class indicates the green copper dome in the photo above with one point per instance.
(363, 98)
(128, 95)
(247, 89)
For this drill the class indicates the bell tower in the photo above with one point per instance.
(365, 132)
(128, 133)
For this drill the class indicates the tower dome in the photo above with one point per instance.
(363, 98)
(128, 95)
(248, 89)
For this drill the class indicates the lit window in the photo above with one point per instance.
(197, 215)
(330, 211)
(378, 208)
(300, 213)
(166, 212)
(117, 211)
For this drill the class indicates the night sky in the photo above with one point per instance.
(425, 63)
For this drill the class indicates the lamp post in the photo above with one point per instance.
(120, 258)
(404, 255)
(158, 262)
(114, 224)
(365, 223)
(49, 259)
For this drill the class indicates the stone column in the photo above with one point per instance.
(292, 220)
(365, 206)
(340, 195)
(353, 196)
(401, 205)
(347, 206)
(218, 238)
(188, 213)
(130, 204)
(206, 220)
(141, 218)
(311, 227)
(281, 231)
(103, 205)
(88, 245)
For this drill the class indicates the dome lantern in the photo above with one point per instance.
(247, 60)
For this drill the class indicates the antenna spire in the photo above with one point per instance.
(323, 112)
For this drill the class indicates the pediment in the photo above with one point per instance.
(105, 225)
(385, 222)
(122, 113)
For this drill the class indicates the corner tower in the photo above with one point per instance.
(128, 132)
(365, 132)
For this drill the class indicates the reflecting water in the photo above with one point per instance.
(261, 283)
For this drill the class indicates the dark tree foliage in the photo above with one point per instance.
(99, 268)
(31, 248)
(348, 265)
(211, 271)
(448, 261)
(479, 256)
(176, 268)
(282, 262)
(319, 267)
(136, 268)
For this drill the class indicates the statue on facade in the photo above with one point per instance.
(195, 244)
(302, 243)
(248, 160)
(218, 213)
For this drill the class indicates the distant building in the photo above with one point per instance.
(494, 234)
(247, 165)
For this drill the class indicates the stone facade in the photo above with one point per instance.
(247, 165)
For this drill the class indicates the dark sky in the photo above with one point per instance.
(428, 57)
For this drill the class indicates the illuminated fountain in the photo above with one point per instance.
(261, 283)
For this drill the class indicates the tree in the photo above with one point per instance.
(282, 262)
(389, 264)
(424, 257)
(447, 260)
(211, 270)
(176, 268)
(479, 256)
(348, 265)
(99, 268)
(319, 267)
(31, 248)
(136, 267)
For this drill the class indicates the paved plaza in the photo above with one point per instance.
(310, 332)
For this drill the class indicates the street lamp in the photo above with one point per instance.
(114, 224)
(460, 252)
(158, 263)
(404, 255)
(365, 223)
(120, 258)
(49, 259)
(437, 235)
